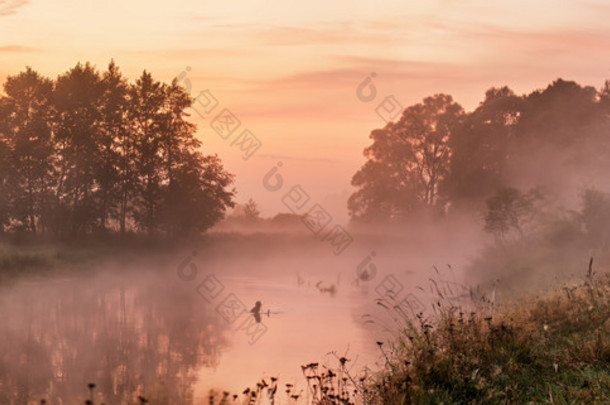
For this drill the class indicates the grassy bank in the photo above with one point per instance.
(553, 350)
(41, 258)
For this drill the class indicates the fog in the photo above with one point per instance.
(132, 269)
(146, 326)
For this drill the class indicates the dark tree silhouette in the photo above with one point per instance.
(92, 153)
(147, 98)
(114, 176)
(480, 148)
(4, 182)
(78, 96)
(436, 156)
(26, 115)
(406, 162)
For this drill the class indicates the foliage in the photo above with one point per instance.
(406, 162)
(90, 152)
(549, 350)
(251, 211)
(510, 210)
(595, 217)
(480, 146)
(437, 157)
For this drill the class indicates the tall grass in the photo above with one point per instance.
(553, 350)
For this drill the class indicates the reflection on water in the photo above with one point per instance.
(162, 330)
(130, 338)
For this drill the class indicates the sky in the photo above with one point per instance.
(289, 71)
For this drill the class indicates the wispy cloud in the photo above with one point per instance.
(194, 53)
(8, 7)
(322, 34)
(17, 49)
(277, 157)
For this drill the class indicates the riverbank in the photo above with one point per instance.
(554, 349)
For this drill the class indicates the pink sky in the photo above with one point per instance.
(289, 71)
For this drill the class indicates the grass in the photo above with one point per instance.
(49, 260)
(14, 259)
(550, 350)
(37, 257)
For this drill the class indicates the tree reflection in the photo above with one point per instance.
(130, 338)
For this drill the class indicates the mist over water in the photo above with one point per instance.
(143, 328)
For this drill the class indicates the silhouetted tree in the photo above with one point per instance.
(5, 155)
(78, 96)
(251, 212)
(147, 99)
(26, 112)
(406, 162)
(115, 136)
(435, 156)
(480, 147)
(199, 194)
(562, 131)
(90, 152)
(180, 164)
(510, 210)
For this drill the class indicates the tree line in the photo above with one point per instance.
(437, 158)
(91, 152)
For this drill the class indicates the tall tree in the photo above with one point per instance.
(78, 96)
(177, 144)
(200, 194)
(5, 156)
(147, 99)
(90, 151)
(407, 162)
(564, 130)
(480, 147)
(27, 112)
(115, 146)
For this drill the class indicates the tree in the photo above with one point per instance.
(147, 97)
(77, 99)
(251, 212)
(89, 151)
(193, 186)
(562, 130)
(510, 210)
(199, 195)
(481, 149)
(562, 115)
(407, 162)
(28, 148)
(179, 163)
(595, 217)
(4, 183)
(114, 175)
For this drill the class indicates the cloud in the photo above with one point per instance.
(8, 7)
(17, 49)
(321, 35)
(280, 157)
(356, 68)
(197, 53)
